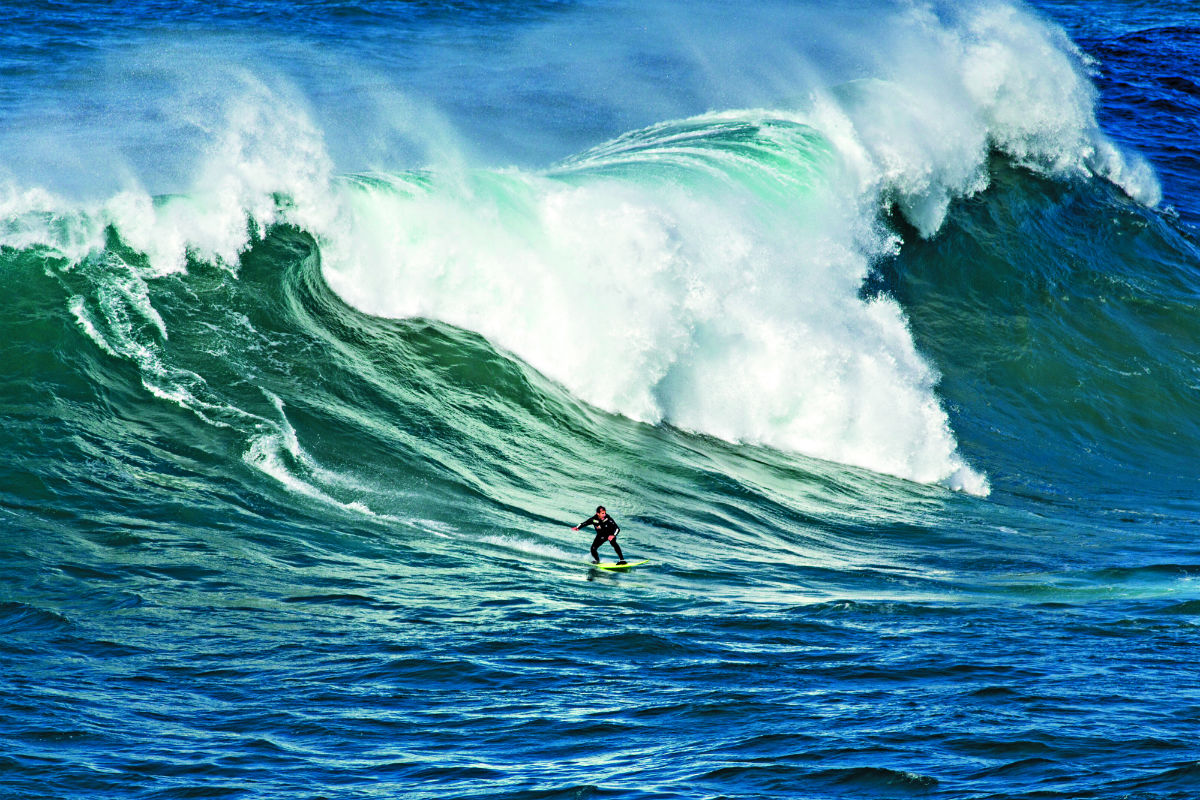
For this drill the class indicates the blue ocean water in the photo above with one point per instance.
(874, 326)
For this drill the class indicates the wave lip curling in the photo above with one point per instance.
(705, 272)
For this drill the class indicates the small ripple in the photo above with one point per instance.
(1189, 607)
(1025, 768)
(783, 777)
(16, 618)
(878, 778)
(1003, 749)
(345, 600)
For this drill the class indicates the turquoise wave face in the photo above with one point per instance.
(1058, 363)
(277, 422)
(706, 275)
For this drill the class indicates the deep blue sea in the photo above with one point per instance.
(875, 325)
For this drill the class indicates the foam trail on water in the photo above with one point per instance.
(537, 549)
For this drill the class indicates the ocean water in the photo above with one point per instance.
(874, 325)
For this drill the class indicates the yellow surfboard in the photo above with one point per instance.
(613, 565)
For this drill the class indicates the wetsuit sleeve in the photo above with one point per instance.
(587, 522)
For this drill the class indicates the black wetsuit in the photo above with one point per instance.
(604, 528)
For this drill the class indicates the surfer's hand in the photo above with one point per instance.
(575, 528)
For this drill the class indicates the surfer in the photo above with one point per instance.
(606, 529)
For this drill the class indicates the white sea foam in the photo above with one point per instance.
(532, 548)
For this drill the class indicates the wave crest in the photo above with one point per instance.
(706, 273)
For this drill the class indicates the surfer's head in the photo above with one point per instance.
(600, 511)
